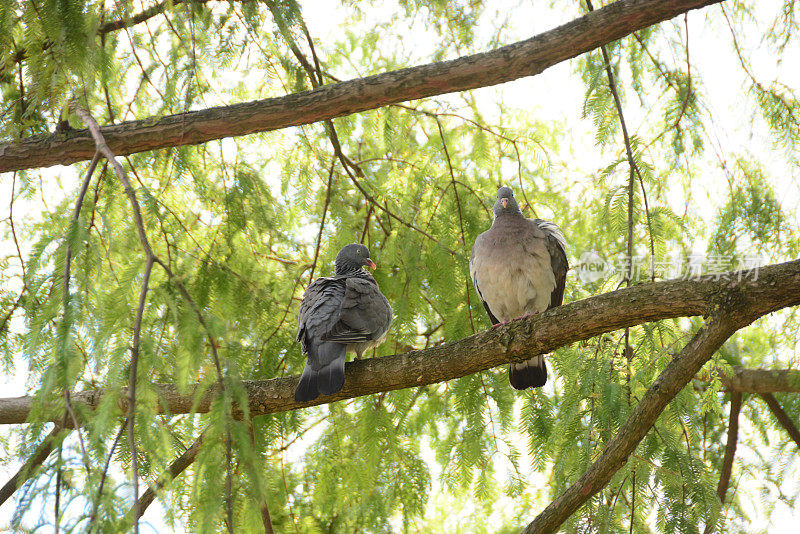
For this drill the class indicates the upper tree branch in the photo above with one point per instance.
(777, 286)
(525, 58)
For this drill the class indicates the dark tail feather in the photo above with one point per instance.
(328, 378)
(331, 377)
(531, 373)
(307, 388)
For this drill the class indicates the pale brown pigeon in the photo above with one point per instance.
(342, 313)
(519, 266)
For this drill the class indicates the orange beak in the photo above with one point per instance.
(371, 264)
(504, 201)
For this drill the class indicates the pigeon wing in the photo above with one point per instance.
(365, 312)
(557, 246)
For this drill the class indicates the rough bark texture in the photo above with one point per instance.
(776, 287)
(525, 58)
(762, 380)
(177, 467)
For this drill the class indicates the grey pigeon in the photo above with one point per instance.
(342, 313)
(519, 267)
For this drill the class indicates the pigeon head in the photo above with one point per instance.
(506, 203)
(352, 258)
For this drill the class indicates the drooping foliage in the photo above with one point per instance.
(243, 225)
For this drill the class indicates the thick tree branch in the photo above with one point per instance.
(525, 58)
(776, 287)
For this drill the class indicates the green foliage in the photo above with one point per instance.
(237, 223)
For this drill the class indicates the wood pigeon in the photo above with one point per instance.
(519, 267)
(342, 313)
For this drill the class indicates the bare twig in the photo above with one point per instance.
(315, 76)
(322, 223)
(150, 258)
(134, 365)
(788, 109)
(67, 319)
(13, 229)
(18, 302)
(103, 476)
(460, 215)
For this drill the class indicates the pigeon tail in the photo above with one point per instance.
(531, 373)
(331, 374)
(328, 378)
(307, 388)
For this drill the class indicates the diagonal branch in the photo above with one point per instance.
(525, 58)
(668, 384)
(177, 467)
(50, 442)
(782, 417)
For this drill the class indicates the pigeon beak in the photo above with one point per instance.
(504, 201)
(371, 264)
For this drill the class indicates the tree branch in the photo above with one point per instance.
(525, 58)
(782, 417)
(677, 374)
(176, 468)
(53, 440)
(762, 381)
(777, 286)
(730, 452)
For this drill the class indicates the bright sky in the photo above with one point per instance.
(556, 95)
